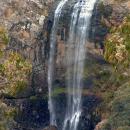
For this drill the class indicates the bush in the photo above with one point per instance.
(15, 71)
(117, 44)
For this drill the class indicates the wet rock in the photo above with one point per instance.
(89, 116)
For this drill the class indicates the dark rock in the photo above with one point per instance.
(33, 113)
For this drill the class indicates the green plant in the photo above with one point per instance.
(117, 44)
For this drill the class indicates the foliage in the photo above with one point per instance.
(117, 52)
(120, 112)
(14, 75)
(15, 70)
(117, 45)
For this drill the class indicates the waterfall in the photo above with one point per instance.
(51, 61)
(75, 56)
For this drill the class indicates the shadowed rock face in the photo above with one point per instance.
(89, 117)
(32, 114)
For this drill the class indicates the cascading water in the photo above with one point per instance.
(78, 37)
(75, 57)
(51, 60)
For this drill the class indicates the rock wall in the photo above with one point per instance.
(24, 21)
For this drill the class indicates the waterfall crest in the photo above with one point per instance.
(51, 60)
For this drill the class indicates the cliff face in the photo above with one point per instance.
(23, 22)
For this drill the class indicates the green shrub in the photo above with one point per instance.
(117, 44)
(15, 70)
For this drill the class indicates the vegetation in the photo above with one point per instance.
(14, 75)
(117, 52)
(117, 46)
(120, 112)
(14, 71)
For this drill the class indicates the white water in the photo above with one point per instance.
(78, 37)
(51, 61)
(75, 56)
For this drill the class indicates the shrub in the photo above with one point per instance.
(117, 44)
